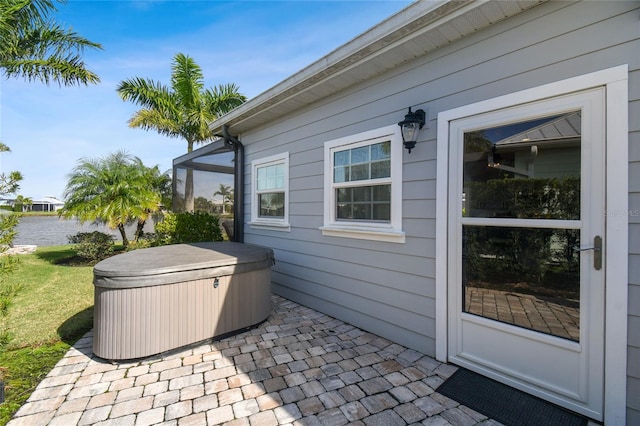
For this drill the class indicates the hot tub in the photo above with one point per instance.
(152, 300)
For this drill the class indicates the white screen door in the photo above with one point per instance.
(526, 232)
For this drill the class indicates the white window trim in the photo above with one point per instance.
(617, 183)
(389, 232)
(276, 224)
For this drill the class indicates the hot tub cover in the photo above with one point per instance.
(180, 262)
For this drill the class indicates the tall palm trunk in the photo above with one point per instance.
(188, 192)
(189, 203)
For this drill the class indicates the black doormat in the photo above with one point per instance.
(505, 404)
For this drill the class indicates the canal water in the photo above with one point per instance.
(53, 231)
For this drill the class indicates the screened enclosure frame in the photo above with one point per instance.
(199, 160)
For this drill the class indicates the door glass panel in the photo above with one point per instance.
(524, 170)
(528, 277)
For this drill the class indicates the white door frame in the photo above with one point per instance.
(615, 80)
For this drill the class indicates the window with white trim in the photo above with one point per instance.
(270, 192)
(363, 186)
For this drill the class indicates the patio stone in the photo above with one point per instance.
(220, 415)
(266, 418)
(192, 420)
(156, 388)
(245, 408)
(402, 394)
(367, 372)
(102, 400)
(333, 417)
(95, 415)
(458, 417)
(375, 385)
(410, 413)
(192, 392)
(275, 384)
(331, 369)
(386, 418)
(310, 406)
(331, 383)
(352, 393)
(287, 413)
(230, 396)
(312, 388)
(205, 403)
(354, 411)
(178, 410)
(253, 390)
(129, 394)
(291, 394)
(269, 401)
(150, 417)
(166, 398)
(50, 392)
(65, 419)
(132, 407)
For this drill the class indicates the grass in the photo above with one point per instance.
(51, 310)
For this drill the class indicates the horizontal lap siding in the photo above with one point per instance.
(633, 350)
(390, 288)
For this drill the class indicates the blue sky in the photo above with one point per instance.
(255, 44)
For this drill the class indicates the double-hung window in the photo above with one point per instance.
(363, 184)
(270, 195)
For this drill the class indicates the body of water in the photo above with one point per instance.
(53, 231)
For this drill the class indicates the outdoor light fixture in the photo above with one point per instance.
(410, 126)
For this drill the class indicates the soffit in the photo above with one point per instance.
(416, 30)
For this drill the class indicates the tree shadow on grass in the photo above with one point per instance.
(64, 257)
(76, 326)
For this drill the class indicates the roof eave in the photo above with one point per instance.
(420, 23)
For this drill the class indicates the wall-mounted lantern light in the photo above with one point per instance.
(410, 126)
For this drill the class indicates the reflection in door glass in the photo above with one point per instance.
(528, 277)
(525, 276)
(524, 170)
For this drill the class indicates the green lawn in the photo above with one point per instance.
(51, 310)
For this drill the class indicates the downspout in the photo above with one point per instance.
(238, 183)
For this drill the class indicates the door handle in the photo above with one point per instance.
(597, 252)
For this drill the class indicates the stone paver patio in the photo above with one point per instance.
(300, 367)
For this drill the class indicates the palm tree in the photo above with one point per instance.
(226, 192)
(183, 110)
(161, 184)
(114, 190)
(33, 46)
(23, 202)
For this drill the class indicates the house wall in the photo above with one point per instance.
(389, 288)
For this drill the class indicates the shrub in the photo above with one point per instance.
(144, 241)
(93, 246)
(176, 228)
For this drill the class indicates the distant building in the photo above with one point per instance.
(47, 204)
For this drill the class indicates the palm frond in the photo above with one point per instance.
(153, 119)
(64, 71)
(223, 98)
(187, 80)
(34, 47)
